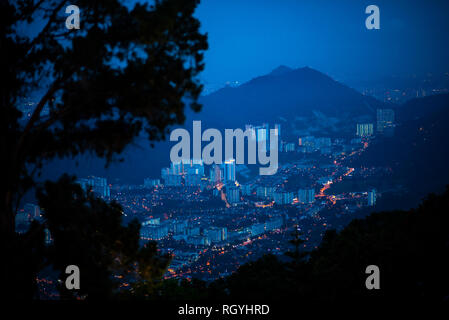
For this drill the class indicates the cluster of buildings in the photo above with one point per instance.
(28, 213)
(384, 124)
(154, 229)
(326, 146)
(98, 185)
(180, 209)
(190, 173)
(192, 233)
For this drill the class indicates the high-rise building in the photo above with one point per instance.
(164, 174)
(385, 121)
(217, 234)
(306, 195)
(98, 185)
(283, 197)
(179, 227)
(150, 183)
(33, 211)
(192, 180)
(29, 213)
(233, 194)
(265, 192)
(364, 129)
(193, 231)
(151, 221)
(257, 228)
(196, 165)
(288, 147)
(48, 240)
(154, 232)
(246, 189)
(263, 135)
(177, 168)
(308, 141)
(229, 171)
(198, 240)
(277, 128)
(193, 176)
(372, 197)
(215, 174)
(273, 224)
(253, 135)
(323, 142)
(173, 180)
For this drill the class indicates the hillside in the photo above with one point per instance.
(419, 151)
(287, 94)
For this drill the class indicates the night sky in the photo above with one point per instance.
(248, 38)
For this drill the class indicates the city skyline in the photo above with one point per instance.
(225, 150)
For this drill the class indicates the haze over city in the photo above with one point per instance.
(131, 141)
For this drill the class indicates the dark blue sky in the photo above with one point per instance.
(248, 38)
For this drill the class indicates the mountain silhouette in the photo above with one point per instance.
(283, 95)
(281, 70)
(286, 93)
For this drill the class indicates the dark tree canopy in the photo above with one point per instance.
(410, 248)
(129, 69)
(125, 70)
(88, 232)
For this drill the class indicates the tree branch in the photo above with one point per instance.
(47, 26)
(34, 117)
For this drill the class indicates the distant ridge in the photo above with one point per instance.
(282, 95)
(281, 70)
(286, 93)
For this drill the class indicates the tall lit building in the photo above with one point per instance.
(283, 197)
(173, 180)
(192, 178)
(233, 194)
(306, 195)
(150, 183)
(288, 147)
(217, 234)
(98, 185)
(277, 128)
(308, 141)
(263, 135)
(33, 211)
(246, 189)
(274, 224)
(164, 174)
(385, 121)
(198, 166)
(323, 142)
(170, 179)
(215, 174)
(256, 229)
(365, 129)
(372, 197)
(229, 171)
(265, 192)
(177, 168)
(154, 232)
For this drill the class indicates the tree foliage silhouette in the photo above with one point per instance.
(296, 241)
(89, 233)
(410, 248)
(126, 71)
